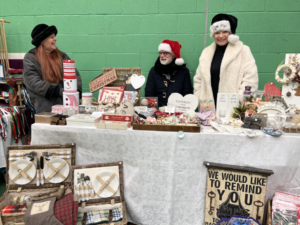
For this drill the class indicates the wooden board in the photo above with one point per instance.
(233, 192)
(103, 80)
(172, 128)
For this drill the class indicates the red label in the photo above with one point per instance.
(126, 118)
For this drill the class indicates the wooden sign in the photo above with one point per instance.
(234, 190)
(103, 80)
(183, 104)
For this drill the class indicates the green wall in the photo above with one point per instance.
(126, 33)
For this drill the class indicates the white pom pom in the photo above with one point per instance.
(179, 61)
(232, 38)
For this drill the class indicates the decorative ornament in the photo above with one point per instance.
(278, 101)
(239, 112)
(297, 91)
(271, 107)
(288, 79)
(295, 61)
(271, 89)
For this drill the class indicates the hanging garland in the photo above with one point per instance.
(287, 79)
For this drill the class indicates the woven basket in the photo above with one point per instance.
(121, 73)
(31, 187)
(269, 213)
(106, 200)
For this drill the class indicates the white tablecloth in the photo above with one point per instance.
(164, 176)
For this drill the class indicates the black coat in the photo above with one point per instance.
(159, 86)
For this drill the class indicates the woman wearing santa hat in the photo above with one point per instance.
(227, 65)
(43, 69)
(169, 74)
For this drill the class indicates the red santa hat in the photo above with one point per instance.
(172, 47)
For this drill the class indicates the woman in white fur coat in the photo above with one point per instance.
(227, 65)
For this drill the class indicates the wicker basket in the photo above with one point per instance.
(269, 213)
(101, 201)
(31, 187)
(121, 73)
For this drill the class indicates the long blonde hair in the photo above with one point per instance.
(52, 70)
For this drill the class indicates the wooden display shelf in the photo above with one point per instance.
(172, 128)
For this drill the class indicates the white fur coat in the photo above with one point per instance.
(238, 69)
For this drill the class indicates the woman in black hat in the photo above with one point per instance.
(227, 65)
(43, 69)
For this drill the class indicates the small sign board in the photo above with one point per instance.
(183, 104)
(234, 190)
(103, 80)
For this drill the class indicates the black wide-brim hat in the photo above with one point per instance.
(41, 32)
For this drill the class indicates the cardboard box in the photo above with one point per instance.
(117, 117)
(44, 117)
(99, 123)
(117, 125)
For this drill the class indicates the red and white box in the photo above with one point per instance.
(70, 83)
(117, 117)
(69, 63)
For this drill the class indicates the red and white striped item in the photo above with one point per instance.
(69, 63)
(286, 204)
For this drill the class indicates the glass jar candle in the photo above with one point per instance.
(87, 98)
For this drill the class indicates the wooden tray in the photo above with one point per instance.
(172, 128)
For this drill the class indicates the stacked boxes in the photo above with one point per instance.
(70, 94)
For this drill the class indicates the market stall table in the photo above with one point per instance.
(164, 176)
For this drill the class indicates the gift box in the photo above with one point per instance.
(81, 120)
(24, 177)
(117, 117)
(65, 110)
(71, 99)
(70, 83)
(87, 109)
(117, 125)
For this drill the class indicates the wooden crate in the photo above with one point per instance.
(121, 73)
(172, 128)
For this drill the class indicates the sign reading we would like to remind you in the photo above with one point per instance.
(234, 191)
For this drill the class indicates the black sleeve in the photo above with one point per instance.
(150, 85)
(53, 91)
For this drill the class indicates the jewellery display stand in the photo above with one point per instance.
(289, 90)
(31, 189)
(108, 195)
